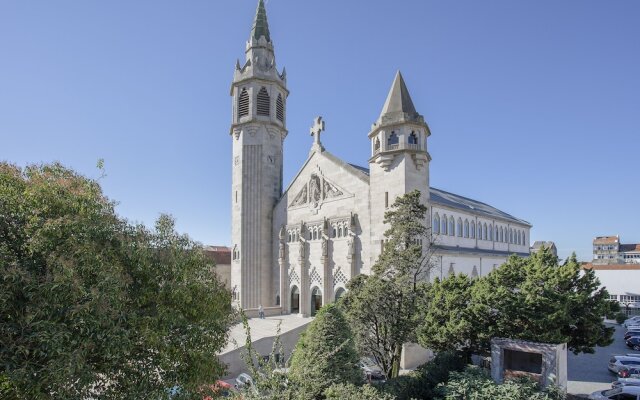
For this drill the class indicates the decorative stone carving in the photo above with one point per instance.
(301, 198)
(315, 191)
(330, 191)
(325, 246)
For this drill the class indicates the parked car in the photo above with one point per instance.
(243, 380)
(617, 362)
(634, 342)
(371, 369)
(629, 372)
(628, 334)
(624, 392)
(625, 382)
(631, 321)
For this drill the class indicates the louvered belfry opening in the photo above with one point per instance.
(263, 102)
(243, 104)
(280, 108)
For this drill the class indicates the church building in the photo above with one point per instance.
(294, 248)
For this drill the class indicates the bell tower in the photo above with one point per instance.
(258, 130)
(399, 160)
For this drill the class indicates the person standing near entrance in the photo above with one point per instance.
(260, 312)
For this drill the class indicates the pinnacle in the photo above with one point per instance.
(398, 100)
(260, 25)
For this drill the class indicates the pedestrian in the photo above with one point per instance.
(260, 312)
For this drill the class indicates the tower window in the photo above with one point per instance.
(393, 139)
(264, 106)
(243, 104)
(376, 145)
(413, 139)
(280, 108)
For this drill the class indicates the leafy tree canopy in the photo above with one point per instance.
(531, 298)
(92, 305)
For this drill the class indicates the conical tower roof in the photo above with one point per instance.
(399, 107)
(398, 99)
(260, 24)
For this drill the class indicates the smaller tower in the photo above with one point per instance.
(399, 160)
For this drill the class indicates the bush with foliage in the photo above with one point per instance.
(92, 306)
(621, 317)
(474, 383)
(325, 354)
(422, 383)
(348, 391)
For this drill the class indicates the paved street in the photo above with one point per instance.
(588, 372)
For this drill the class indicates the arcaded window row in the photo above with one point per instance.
(447, 225)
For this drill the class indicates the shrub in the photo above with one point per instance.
(421, 383)
(348, 391)
(621, 317)
(477, 382)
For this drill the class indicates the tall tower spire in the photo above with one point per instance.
(258, 130)
(260, 25)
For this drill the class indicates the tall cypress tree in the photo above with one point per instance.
(325, 354)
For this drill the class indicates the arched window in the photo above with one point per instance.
(472, 231)
(444, 225)
(479, 231)
(519, 237)
(484, 232)
(393, 139)
(339, 293)
(413, 139)
(436, 223)
(452, 227)
(376, 145)
(459, 227)
(490, 232)
(524, 239)
(315, 234)
(264, 102)
(280, 108)
(510, 235)
(289, 237)
(243, 104)
(340, 231)
(466, 228)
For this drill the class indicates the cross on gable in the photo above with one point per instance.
(316, 129)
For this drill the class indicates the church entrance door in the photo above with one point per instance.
(295, 300)
(316, 300)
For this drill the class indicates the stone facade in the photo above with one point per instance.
(297, 248)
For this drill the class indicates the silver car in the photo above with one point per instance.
(617, 362)
(624, 392)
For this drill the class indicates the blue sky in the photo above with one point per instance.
(534, 106)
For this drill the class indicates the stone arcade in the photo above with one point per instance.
(295, 248)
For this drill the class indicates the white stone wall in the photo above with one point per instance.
(337, 211)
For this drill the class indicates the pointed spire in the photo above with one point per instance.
(398, 100)
(260, 24)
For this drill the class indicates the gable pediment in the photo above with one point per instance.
(317, 190)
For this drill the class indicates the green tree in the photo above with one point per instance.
(92, 305)
(325, 354)
(530, 298)
(446, 323)
(382, 308)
